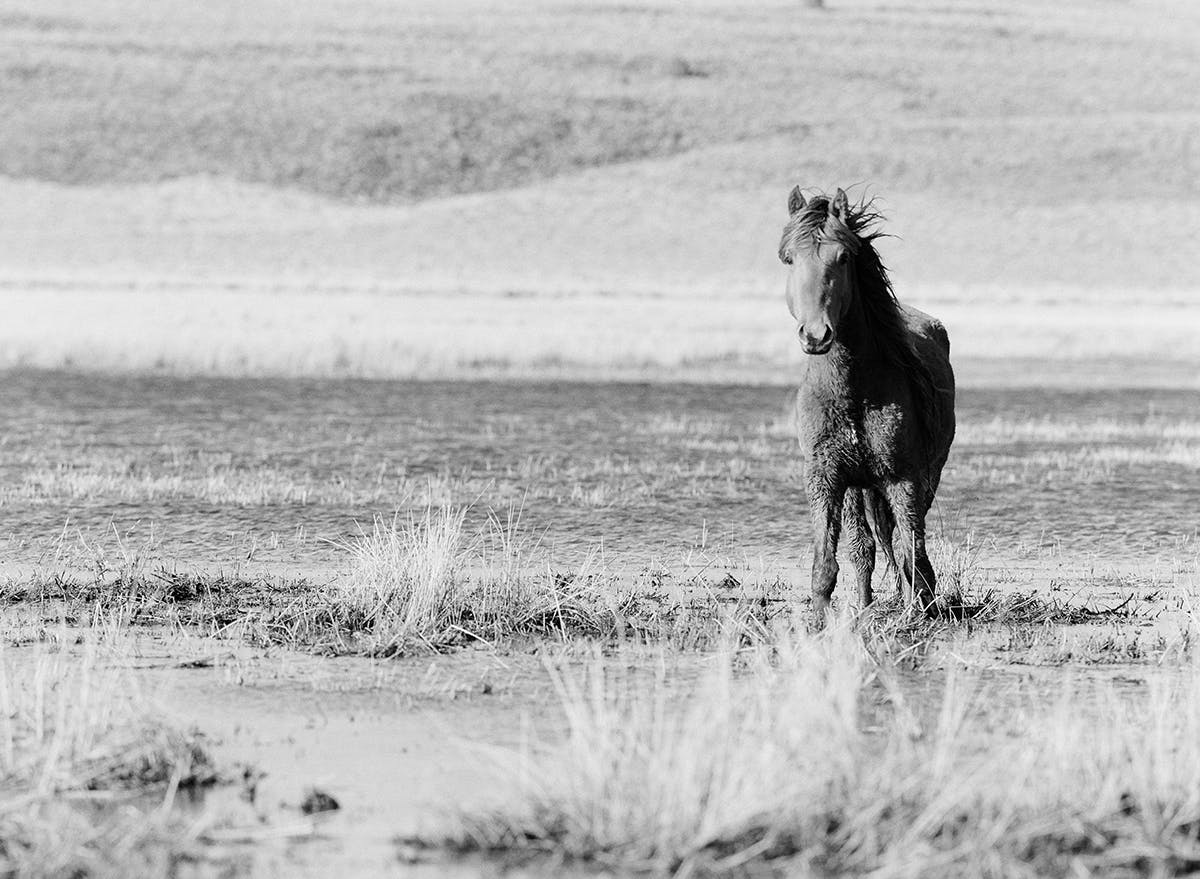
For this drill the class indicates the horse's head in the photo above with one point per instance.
(818, 246)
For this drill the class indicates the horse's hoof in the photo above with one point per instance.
(822, 611)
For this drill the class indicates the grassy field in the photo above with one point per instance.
(391, 102)
(1061, 340)
(209, 190)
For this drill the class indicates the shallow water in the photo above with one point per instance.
(224, 472)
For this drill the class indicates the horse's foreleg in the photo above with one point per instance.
(916, 573)
(825, 502)
(862, 544)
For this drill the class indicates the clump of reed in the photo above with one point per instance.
(808, 758)
(429, 581)
(87, 773)
(68, 723)
(425, 582)
(648, 781)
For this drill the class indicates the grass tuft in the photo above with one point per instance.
(647, 783)
(87, 774)
(423, 583)
(68, 724)
(807, 759)
(406, 578)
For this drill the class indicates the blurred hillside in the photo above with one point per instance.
(1025, 154)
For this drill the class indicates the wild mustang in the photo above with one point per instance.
(876, 401)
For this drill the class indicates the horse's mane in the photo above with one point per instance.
(856, 229)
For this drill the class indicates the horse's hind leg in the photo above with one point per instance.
(879, 514)
(862, 544)
(916, 572)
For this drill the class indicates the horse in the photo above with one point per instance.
(875, 406)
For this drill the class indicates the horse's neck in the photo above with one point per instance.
(834, 380)
(843, 371)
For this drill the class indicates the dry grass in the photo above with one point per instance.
(69, 724)
(418, 590)
(50, 839)
(1111, 644)
(407, 101)
(173, 475)
(210, 603)
(110, 577)
(1008, 430)
(403, 576)
(649, 783)
(632, 334)
(419, 582)
(808, 760)
(262, 191)
(425, 583)
(88, 774)
(428, 581)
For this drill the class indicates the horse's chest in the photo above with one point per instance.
(833, 434)
(859, 443)
(846, 436)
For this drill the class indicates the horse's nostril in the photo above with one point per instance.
(826, 335)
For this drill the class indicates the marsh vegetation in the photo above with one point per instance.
(810, 757)
(540, 620)
(708, 732)
(90, 773)
(537, 599)
(242, 476)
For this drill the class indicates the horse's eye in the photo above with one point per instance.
(787, 259)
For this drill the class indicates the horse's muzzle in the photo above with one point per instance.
(816, 345)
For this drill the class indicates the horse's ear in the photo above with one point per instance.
(795, 200)
(840, 206)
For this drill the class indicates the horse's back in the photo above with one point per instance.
(932, 344)
(928, 328)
